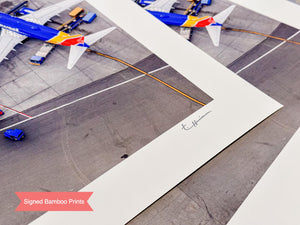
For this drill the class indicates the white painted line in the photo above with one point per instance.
(267, 53)
(159, 69)
(83, 98)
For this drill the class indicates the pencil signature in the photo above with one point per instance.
(194, 123)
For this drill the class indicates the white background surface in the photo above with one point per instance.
(281, 10)
(131, 186)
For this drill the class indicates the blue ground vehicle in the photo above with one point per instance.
(41, 55)
(198, 6)
(37, 60)
(15, 135)
(89, 17)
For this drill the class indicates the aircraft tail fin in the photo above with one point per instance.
(214, 29)
(76, 51)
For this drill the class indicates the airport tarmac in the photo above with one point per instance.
(125, 118)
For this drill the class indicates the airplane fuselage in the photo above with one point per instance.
(182, 20)
(34, 30)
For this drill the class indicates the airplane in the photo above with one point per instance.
(17, 29)
(161, 10)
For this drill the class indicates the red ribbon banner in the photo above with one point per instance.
(54, 201)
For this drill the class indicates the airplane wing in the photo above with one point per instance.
(161, 5)
(45, 14)
(8, 40)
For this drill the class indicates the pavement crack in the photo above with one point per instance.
(118, 140)
(68, 154)
(210, 215)
(287, 128)
(206, 208)
(264, 143)
(44, 189)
